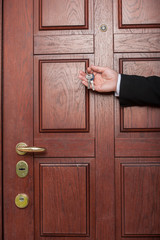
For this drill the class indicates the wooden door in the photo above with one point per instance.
(99, 177)
(46, 105)
(137, 129)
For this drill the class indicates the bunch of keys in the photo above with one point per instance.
(90, 78)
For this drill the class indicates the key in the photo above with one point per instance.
(90, 78)
(92, 84)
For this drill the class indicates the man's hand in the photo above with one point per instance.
(105, 79)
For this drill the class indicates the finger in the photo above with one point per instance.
(89, 70)
(98, 69)
(85, 83)
(83, 78)
(82, 73)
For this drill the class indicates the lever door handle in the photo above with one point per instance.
(23, 148)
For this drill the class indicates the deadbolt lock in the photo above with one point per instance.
(22, 200)
(22, 169)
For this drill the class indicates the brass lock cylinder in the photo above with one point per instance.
(22, 169)
(21, 200)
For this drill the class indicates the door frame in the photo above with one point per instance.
(1, 175)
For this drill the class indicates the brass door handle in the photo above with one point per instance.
(23, 148)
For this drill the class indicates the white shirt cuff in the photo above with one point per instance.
(117, 92)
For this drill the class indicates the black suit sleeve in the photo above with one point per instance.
(138, 90)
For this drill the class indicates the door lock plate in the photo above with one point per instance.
(22, 169)
(22, 200)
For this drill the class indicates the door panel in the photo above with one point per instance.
(60, 98)
(140, 119)
(142, 42)
(63, 44)
(138, 197)
(68, 13)
(139, 13)
(137, 128)
(66, 17)
(65, 198)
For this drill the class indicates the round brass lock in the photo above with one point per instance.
(22, 200)
(22, 169)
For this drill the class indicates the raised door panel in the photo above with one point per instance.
(138, 197)
(136, 42)
(138, 16)
(64, 108)
(140, 118)
(141, 13)
(137, 128)
(64, 102)
(63, 17)
(63, 13)
(64, 198)
(63, 44)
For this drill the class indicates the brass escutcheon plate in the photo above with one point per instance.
(21, 200)
(21, 144)
(22, 169)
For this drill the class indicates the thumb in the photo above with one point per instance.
(98, 69)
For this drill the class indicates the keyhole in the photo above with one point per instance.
(22, 169)
(21, 199)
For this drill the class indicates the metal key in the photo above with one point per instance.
(92, 84)
(90, 78)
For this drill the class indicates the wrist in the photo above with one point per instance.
(117, 91)
(116, 81)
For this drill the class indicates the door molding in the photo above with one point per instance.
(1, 119)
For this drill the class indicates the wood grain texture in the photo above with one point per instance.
(64, 210)
(1, 175)
(137, 198)
(136, 118)
(17, 114)
(141, 13)
(66, 147)
(142, 43)
(105, 212)
(141, 119)
(63, 13)
(72, 142)
(63, 44)
(64, 103)
(65, 198)
(136, 147)
(78, 20)
(137, 141)
(131, 28)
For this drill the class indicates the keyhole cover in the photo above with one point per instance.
(22, 169)
(22, 200)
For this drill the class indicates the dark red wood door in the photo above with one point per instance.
(99, 177)
(45, 105)
(137, 129)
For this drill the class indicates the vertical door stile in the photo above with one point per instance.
(1, 191)
(17, 114)
(105, 215)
